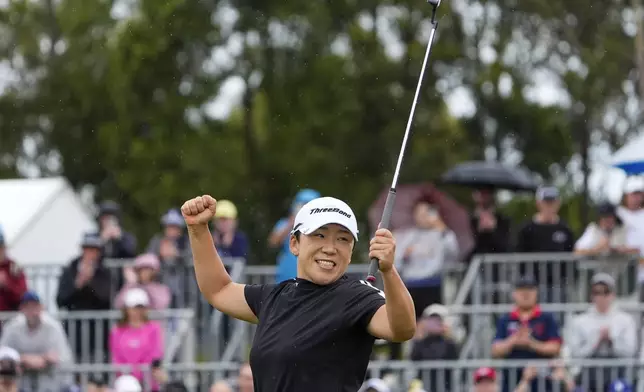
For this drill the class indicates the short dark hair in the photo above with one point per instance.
(175, 386)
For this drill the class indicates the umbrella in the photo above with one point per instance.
(630, 158)
(481, 174)
(453, 214)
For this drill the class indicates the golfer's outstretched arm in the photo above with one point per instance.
(396, 320)
(213, 280)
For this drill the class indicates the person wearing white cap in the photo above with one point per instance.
(631, 212)
(136, 340)
(9, 369)
(315, 332)
(127, 383)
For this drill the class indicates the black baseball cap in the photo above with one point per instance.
(547, 193)
(526, 282)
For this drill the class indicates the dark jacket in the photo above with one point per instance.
(95, 295)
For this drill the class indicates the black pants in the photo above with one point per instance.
(422, 297)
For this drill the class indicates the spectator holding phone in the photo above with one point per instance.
(118, 243)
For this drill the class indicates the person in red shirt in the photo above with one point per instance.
(12, 280)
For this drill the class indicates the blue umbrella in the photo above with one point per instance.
(630, 158)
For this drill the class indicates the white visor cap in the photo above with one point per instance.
(324, 211)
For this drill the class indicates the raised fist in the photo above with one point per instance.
(199, 211)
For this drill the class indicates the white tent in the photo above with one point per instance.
(43, 220)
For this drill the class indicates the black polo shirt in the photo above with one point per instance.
(312, 338)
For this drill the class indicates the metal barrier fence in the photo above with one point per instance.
(562, 277)
(88, 333)
(482, 322)
(435, 376)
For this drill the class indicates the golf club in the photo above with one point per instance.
(391, 197)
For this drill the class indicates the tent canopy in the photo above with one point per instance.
(43, 220)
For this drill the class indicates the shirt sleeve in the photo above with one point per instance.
(501, 329)
(255, 295)
(362, 301)
(587, 239)
(552, 329)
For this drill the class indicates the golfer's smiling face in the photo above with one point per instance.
(323, 256)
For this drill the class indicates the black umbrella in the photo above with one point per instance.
(480, 174)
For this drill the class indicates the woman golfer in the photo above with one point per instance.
(315, 332)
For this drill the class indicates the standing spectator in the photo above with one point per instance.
(146, 268)
(491, 228)
(118, 244)
(279, 238)
(421, 253)
(485, 380)
(9, 370)
(434, 344)
(12, 280)
(42, 344)
(85, 285)
(229, 240)
(172, 242)
(171, 247)
(136, 340)
(632, 214)
(547, 232)
(604, 331)
(526, 332)
(604, 237)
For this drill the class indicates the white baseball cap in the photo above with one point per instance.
(323, 211)
(9, 354)
(136, 297)
(634, 184)
(127, 383)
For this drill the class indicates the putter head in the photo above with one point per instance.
(434, 3)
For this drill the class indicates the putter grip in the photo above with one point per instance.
(384, 224)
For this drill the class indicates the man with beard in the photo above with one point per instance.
(526, 332)
(41, 342)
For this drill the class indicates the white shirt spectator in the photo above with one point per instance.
(604, 331)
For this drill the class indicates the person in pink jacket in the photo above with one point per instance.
(146, 268)
(136, 340)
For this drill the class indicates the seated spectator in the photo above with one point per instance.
(41, 342)
(421, 253)
(221, 386)
(146, 268)
(97, 384)
(127, 383)
(85, 285)
(547, 232)
(604, 237)
(136, 340)
(604, 331)
(10, 370)
(526, 332)
(159, 375)
(485, 380)
(12, 280)
(172, 242)
(556, 381)
(434, 344)
(230, 241)
(118, 244)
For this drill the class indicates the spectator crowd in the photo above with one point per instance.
(35, 344)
